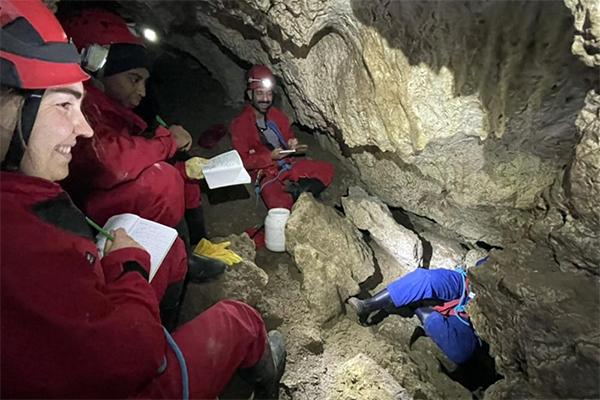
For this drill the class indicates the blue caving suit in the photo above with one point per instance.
(454, 335)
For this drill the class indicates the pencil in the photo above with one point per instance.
(104, 232)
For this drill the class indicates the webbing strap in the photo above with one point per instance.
(273, 126)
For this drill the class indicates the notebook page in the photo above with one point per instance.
(225, 169)
(125, 221)
(156, 238)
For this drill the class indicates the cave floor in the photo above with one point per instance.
(188, 96)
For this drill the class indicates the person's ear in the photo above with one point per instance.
(250, 94)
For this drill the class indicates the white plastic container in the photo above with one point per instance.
(275, 229)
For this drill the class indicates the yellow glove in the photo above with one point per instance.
(217, 250)
(193, 167)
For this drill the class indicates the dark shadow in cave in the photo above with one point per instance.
(403, 218)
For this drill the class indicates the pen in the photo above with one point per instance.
(161, 121)
(99, 229)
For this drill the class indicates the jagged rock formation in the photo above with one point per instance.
(333, 261)
(481, 116)
(369, 213)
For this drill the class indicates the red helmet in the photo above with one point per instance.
(34, 51)
(97, 26)
(260, 77)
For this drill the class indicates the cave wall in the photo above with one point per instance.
(482, 116)
(471, 104)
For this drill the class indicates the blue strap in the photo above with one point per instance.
(482, 261)
(464, 298)
(182, 366)
(284, 165)
(273, 126)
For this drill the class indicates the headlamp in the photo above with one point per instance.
(266, 83)
(143, 31)
(93, 57)
(150, 35)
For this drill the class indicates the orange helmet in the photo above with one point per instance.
(34, 51)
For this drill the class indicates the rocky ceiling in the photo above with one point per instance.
(481, 116)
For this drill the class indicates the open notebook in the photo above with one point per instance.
(156, 238)
(225, 169)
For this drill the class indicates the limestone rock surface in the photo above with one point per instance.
(360, 378)
(544, 333)
(244, 281)
(371, 214)
(577, 240)
(586, 42)
(330, 253)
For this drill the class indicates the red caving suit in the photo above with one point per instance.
(118, 171)
(77, 326)
(257, 157)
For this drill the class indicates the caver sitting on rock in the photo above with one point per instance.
(263, 136)
(446, 323)
(75, 325)
(124, 167)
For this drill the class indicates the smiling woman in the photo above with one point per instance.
(58, 124)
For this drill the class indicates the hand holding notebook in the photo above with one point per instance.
(155, 238)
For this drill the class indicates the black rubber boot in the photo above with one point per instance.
(170, 305)
(381, 301)
(195, 222)
(423, 313)
(311, 185)
(204, 269)
(267, 373)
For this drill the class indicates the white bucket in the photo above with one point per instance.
(275, 229)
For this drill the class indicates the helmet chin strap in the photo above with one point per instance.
(22, 133)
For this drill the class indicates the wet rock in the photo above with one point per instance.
(330, 253)
(371, 214)
(362, 379)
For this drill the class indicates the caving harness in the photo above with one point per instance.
(284, 165)
(458, 306)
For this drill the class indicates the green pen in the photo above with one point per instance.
(161, 121)
(104, 232)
